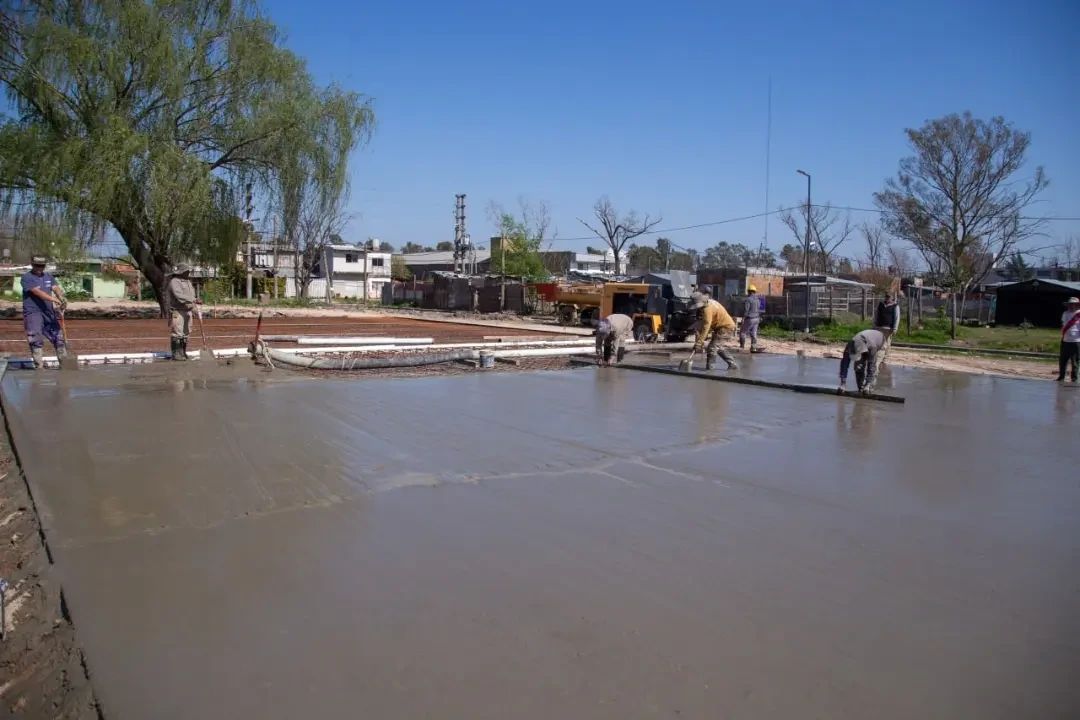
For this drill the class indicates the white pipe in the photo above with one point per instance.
(544, 352)
(360, 340)
(437, 346)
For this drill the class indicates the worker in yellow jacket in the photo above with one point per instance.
(713, 322)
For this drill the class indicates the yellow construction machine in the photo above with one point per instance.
(655, 316)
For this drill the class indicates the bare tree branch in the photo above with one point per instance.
(616, 232)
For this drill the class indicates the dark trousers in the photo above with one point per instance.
(42, 326)
(1070, 354)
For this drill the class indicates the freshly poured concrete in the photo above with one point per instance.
(586, 544)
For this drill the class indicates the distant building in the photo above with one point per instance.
(565, 262)
(348, 271)
(1037, 301)
(733, 282)
(423, 265)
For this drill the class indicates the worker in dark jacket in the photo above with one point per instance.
(862, 350)
(886, 321)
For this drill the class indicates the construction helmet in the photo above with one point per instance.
(751, 288)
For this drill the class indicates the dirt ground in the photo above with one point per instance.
(137, 334)
(41, 665)
(975, 364)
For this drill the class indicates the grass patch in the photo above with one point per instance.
(936, 332)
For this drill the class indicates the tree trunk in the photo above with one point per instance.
(152, 265)
(952, 318)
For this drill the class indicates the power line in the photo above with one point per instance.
(879, 211)
(679, 229)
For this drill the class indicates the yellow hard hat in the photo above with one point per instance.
(752, 288)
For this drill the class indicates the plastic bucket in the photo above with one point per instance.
(487, 359)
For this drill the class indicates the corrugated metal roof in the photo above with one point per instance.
(441, 258)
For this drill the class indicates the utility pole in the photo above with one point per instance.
(249, 210)
(274, 239)
(459, 233)
(806, 251)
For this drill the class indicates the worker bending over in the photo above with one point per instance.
(612, 332)
(713, 322)
(181, 300)
(863, 350)
(751, 319)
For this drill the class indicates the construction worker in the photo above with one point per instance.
(713, 322)
(1070, 339)
(611, 333)
(862, 350)
(751, 320)
(887, 321)
(180, 299)
(43, 302)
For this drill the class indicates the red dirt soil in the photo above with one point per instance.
(135, 335)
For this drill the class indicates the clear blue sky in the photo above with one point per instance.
(662, 106)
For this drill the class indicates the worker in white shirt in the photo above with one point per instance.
(1070, 339)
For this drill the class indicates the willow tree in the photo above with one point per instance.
(309, 191)
(153, 116)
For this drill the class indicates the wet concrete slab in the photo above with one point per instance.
(583, 544)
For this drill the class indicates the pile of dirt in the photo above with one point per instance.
(42, 673)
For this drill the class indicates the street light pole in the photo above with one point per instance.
(806, 250)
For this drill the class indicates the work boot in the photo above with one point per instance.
(39, 358)
(61, 351)
(177, 350)
(742, 344)
(732, 365)
(622, 353)
(709, 360)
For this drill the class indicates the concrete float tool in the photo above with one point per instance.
(206, 353)
(688, 364)
(69, 360)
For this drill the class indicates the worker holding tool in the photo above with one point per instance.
(180, 299)
(862, 350)
(713, 322)
(751, 320)
(1070, 339)
(612, 332)
(43, 302)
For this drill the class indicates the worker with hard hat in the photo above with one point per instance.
(751, 319)
(43, 303)
(180, 299)
(713, 322)
(611, 334)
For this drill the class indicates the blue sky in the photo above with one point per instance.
(663, 106)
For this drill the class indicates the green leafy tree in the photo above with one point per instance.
(644, 258)
(1018, 267)
(411, 247)
(683, 261)
(444, 246)
(153, 116)
(518, 252)
(398, 269)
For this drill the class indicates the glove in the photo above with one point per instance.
(62, 304)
